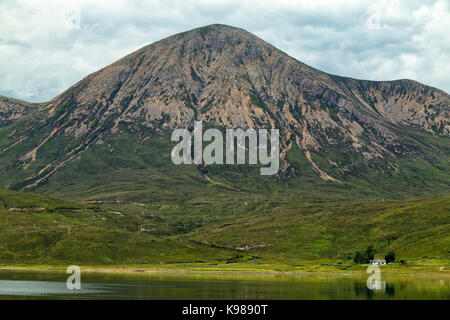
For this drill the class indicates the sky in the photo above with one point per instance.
(48, 45)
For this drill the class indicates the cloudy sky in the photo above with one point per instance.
(48, 45)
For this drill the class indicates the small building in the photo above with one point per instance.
(378, 262)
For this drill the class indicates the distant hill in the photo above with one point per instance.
(13, 109)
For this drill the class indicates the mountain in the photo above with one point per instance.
(108, 136)
(106, 142)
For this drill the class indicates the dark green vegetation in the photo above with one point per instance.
(390, 257)
(229, 230)
(366, 256)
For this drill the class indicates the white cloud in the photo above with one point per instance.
(45, 48)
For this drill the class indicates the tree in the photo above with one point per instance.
(358, 258)
(370, 253)
(390, 257)
(366, 256)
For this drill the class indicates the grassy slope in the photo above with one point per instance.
(280, 232)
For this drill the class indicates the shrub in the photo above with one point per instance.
(390, 257)
(365, 256)
(358, 258)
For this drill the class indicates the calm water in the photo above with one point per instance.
(52, 285)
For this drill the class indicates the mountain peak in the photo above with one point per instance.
(214, 30)
(214, 36)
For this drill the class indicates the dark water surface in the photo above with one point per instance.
(52, 285)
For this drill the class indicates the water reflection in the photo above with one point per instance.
(380, 288)
(51, 285)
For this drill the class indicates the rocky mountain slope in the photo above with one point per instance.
(12, 110)
(341, 128)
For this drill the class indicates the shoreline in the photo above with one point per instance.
(228, 272)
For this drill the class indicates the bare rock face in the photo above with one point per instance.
(227, 76)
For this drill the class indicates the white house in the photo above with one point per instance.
(378, 262)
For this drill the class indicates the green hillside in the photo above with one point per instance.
(231, 230)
